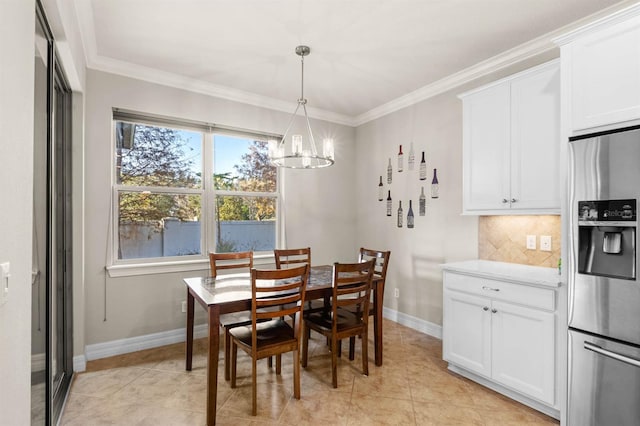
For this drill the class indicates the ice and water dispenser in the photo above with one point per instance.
(607, 238)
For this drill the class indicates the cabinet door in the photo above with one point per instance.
(605, 76)
(486, 149)
(523, 353)
(467, 332)
(535, 140)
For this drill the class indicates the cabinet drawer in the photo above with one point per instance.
(500, 290)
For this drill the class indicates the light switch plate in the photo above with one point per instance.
(545, 242)
(531, 242)
(4, 282)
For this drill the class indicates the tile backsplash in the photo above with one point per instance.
(504, 239)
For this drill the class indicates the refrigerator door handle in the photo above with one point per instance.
(614, 355)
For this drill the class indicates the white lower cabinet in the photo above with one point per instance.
(523, 350)
(504, 333)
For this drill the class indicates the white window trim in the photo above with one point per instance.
(148, 266)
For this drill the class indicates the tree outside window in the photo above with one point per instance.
(160, 192)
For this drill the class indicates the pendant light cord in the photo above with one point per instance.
(302, 78)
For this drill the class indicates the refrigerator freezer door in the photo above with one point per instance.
(604, 382)
(605, 167)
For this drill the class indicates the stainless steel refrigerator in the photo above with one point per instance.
(604, 292)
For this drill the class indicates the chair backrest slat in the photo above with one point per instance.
(277, 293)
(351, 288)
(285, 258)
(238, 260)
(381, 259)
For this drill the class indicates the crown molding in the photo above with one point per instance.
(198, 86)
(616, 17)
(532, 48)
(510, 57)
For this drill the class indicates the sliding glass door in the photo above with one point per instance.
(52, 357)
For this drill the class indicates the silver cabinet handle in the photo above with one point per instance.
(494, 310)
(484, 287)
(513, 200)
(505, 201)
(486, 308)
(614, 355)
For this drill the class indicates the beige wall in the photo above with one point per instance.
(320, 208)
(17, 19)
(503, 239)
(442, 235)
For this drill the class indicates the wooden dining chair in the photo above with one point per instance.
(351, 289)
(239, 262)
(275, 294)
(288, 258)
(381, 263)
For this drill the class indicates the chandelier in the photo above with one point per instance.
(301, 153)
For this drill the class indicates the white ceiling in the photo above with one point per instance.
(365, 54)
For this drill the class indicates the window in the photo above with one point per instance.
(182, 190)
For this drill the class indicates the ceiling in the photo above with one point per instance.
(365, 54)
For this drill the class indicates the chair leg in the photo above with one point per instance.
(296, 374)
(365, 353)
(278, 364)
(234, 356)
(254, 387)
(270, 362)
(340, 348)
(227, 341)
(352, 348)
(334, 361)
(306, 331)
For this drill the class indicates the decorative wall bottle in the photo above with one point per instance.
(423, 168)
(389, 172)
(400, 215)
(380, 190)
(412, 158)
(434, 184)
(423, 203)
(389, 203)
(400, 159)
(410, 216)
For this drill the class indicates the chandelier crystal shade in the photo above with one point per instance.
(299, 151)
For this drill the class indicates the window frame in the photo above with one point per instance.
(153, 265)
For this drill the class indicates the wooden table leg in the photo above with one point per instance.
(378, 297)
(212, 363)
(189, 343)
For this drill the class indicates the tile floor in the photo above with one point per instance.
(413, 387)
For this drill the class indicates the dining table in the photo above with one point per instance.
(231, 293)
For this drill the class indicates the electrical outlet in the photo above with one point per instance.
(184, 306)
(531, 242)
(396, 292)
(545, 242)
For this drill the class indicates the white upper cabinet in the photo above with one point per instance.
(602, 63)
(511, 133)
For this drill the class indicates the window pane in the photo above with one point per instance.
(158, 156)
(242, 164)
(245, 223)
(158, 225)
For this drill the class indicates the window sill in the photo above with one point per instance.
(134, 269)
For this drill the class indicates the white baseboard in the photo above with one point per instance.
(418, 324)
(138, 343)
(38, 362)
(79, 363)
(154, 340)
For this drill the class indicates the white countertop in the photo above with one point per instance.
(513, 272)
